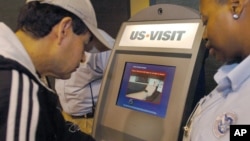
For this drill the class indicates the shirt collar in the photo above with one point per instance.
(231, 76)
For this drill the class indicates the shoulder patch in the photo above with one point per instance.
(223, 122)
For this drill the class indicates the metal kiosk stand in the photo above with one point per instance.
(150, 81)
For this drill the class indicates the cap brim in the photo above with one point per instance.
(95, 46)
(99, 43)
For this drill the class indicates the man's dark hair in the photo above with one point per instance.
(38, 19)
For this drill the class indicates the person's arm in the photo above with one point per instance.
(4, 102)
(19, 108)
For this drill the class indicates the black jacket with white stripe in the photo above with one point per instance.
(28, 110)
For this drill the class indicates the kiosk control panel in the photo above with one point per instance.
(151, 77)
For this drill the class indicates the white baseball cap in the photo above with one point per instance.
(85, 11)
(96, 46)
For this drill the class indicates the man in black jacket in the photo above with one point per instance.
(49, 41)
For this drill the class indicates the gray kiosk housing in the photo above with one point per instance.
(112, 121)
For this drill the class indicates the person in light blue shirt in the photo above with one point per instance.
(227, 38)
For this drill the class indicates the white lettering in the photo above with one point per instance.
(240, 132)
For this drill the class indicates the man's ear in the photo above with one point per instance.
(237, 6)
(64, 27)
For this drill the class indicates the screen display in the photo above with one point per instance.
(146, 88)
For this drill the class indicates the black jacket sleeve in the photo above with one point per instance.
(5, 84)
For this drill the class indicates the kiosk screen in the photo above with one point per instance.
(146, 88)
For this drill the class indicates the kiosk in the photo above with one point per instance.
(148, 87)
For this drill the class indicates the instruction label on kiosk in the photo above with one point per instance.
(176, 35)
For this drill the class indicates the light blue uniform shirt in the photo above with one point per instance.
(228, 103)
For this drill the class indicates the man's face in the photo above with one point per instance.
(220, 30)
(71, 54)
